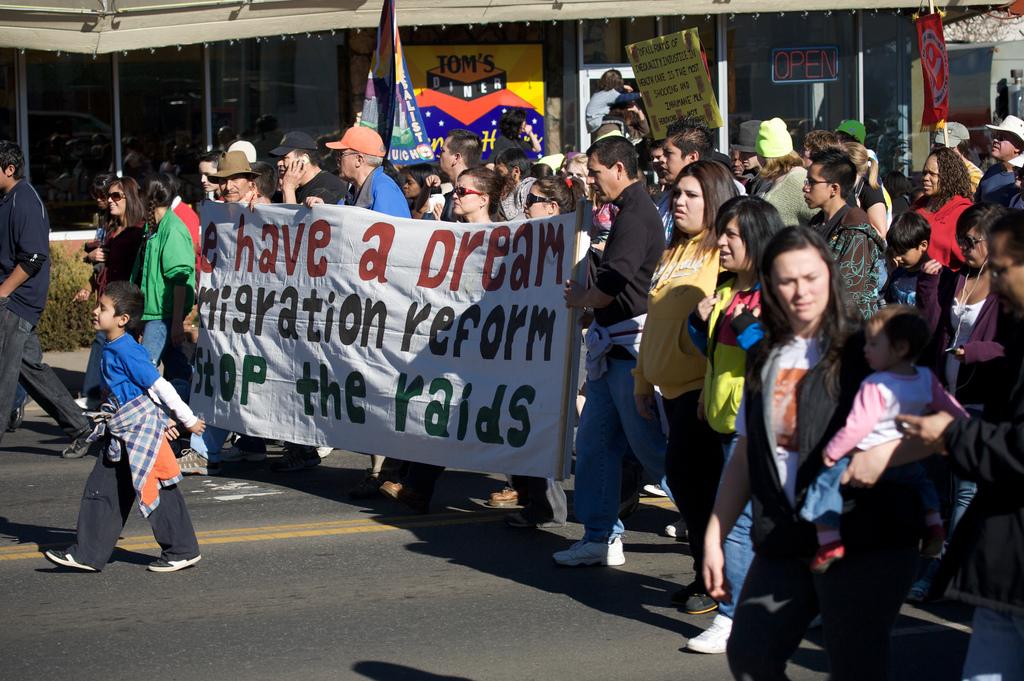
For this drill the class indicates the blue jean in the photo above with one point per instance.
(91, 385)
(823, 504)
(738, 547)
(963, 495)
(210, 442)
(156, 338)
(20, 395)
(609, 426)
(996, 650)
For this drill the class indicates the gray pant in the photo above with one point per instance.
(106, 502)
(858, 598)
(21, 356)
(546, 497)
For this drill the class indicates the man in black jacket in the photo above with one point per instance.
(610, 424)
(985, 562)
(24, 283)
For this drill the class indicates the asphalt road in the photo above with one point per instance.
(298, 582)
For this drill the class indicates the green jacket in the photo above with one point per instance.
(167, 259)
(727, 364)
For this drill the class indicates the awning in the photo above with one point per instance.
(101, 26)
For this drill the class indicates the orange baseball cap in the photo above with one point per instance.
(363, 140)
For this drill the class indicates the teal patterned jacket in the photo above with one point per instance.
(857, 249)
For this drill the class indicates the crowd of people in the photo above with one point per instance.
(809, 360)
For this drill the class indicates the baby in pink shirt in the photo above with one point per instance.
(894, 339)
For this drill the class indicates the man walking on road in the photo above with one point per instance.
(24, 283)
(610, 424)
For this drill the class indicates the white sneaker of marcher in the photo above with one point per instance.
(324, 452)
(592, 553)
(654, 491)
(714, 639)
(673, 529)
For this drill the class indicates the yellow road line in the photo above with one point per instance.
(300, 530)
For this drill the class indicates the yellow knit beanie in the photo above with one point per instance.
(773, 139)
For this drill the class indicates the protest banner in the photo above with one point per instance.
(469, 86)
(426, 341)
(673, 80)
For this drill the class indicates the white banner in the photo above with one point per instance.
(425, 341)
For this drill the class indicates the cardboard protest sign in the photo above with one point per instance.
(426, 341)
(673, 80)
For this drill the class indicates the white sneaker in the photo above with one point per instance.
(676, 530)
(324, 452)
(592, 553)
(654, 491)
(162, 565)
(714, 639)
(82, 402)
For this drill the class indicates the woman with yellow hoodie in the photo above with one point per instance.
(669, 361)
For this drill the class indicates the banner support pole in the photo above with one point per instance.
(584, 214)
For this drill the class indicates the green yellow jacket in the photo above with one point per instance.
(166, 260)
(726, 364)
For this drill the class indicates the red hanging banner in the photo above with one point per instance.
(934, 67)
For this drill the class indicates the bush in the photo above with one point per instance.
(65, 324)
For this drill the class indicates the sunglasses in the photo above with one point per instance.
(532, 199)
(463, 191)
(967, 243)
(116, 197)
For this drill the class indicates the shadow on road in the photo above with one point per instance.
(387, 671)
(21, 533)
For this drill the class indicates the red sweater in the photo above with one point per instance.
(191, 220)
(943, 246)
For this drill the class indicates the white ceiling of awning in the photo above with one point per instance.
(100, 26)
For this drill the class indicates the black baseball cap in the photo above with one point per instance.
(295, 140)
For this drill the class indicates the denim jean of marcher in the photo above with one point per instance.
(91, 385)
(210, 442)
(996, 650)
(20, 396)
(738, 547)
(823, 504)
(156, 338)
(963, 490)
(609, 425)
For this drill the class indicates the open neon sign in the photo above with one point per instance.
(818, 64)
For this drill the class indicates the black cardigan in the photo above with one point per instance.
(888, 515)
(985, 562)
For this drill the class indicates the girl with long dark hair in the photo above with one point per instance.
(725, 326)
(122, 237)
(800, 387)
(165, 270)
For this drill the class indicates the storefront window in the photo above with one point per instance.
(888, 43)
(8, 102)
(798, 68)
(70, 131)
(604, 41)
(262, 89)
(162, 114)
